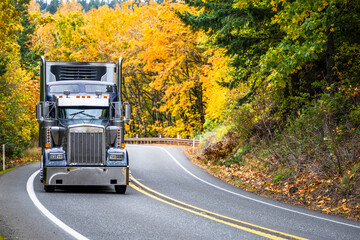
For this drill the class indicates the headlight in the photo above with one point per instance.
(56, 156)
(116, 157)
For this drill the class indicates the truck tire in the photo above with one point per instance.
(120, 189)
(48, 188)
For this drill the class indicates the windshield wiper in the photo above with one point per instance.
(82, 112)
(89, 115)
(74, 114)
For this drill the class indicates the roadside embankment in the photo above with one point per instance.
(304, 185)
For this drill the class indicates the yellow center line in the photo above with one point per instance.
(261, 231)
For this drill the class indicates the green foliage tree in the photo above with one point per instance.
(43, 4)
(28, 57)
(246, 34)
(281, 40)
(53, 6)
(298, 59)
(88, 5)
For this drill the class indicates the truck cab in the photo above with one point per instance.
(81, 125)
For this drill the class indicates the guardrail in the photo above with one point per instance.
(172, 141)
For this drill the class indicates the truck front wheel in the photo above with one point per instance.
(120, 189)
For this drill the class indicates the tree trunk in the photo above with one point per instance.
(330, 57)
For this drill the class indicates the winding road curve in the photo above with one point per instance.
(168, 198)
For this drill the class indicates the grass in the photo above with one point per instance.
(31, 155)
(2, 172)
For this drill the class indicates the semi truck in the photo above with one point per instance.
(82, 119)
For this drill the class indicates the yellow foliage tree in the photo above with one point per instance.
(17, 95)
(170, 73)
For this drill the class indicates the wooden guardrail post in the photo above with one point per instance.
(3, 157)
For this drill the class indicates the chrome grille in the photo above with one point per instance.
(86, 146)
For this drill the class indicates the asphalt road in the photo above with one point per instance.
(169, 198)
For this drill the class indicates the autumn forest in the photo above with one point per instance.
(272, 87)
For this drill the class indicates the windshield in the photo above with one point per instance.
(83, 113)
(61, 88)
(92, 88)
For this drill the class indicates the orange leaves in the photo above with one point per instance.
(165, 53)
(170, 74)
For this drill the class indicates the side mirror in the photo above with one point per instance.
(39, 116)
(117, 110)
(127, 112)
(45, 111)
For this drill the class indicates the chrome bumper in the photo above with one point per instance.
(91, 176)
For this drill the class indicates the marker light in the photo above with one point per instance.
(118, 138)
(47, 143)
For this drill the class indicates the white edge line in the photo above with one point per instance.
(253, 199)
(47, 213)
